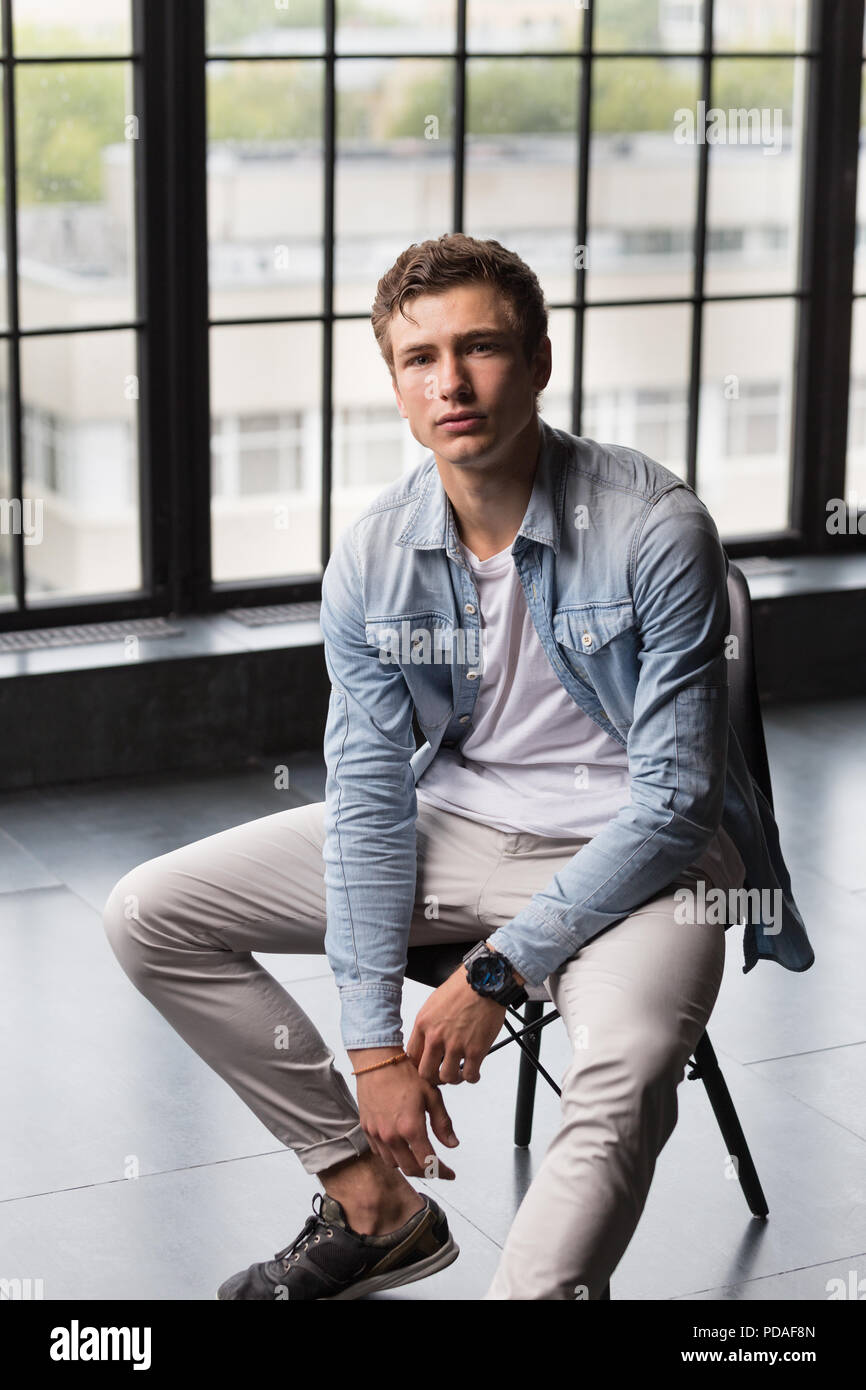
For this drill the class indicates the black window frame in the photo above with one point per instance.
(172, 322)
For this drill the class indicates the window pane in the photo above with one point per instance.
(9, 520)
(521, 162)
(519, 26)
(754, 131)
(4, 321)
(270, 453)
(394, 168)
(372, 442)
(643, 182)
(265, 26)
(667, 24)
(855, 471)
(266, 450)
(75, 193)
(89, 26)
(395, 26)
(635, 380)
(556, 398)
(772, 24)
(79, 398)
(264, 188)
(745, 414)
(860, 243)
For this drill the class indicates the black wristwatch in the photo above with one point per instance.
(491, 975)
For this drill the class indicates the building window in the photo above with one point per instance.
(368, 447)
(660, 424)
(753, 419)
(253, 455)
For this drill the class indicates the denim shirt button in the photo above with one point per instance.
(464, 719)
(586, 639)
(469, 608)
(472, 675)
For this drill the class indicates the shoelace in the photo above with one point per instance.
(304, 1237)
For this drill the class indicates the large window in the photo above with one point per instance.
(70, 525)
(248, 169)
(855, 494)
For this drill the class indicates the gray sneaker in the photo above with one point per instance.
(327, 1259)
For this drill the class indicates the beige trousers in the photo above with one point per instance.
(635, 1001)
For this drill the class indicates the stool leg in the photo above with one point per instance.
(606, 1292)
(707, 1068)
(526, 1077)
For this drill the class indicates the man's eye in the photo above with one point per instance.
(413, 361)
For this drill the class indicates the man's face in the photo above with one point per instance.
(456, 354)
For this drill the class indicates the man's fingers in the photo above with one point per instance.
(471, 1067)
(431, 1060)
(414, 1048)
(449, 1071)
(431, 1165)
(382, 1151)
(434, 1167)
(440, 1120)
(406, 1159)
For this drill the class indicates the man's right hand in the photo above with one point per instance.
(393, 1103)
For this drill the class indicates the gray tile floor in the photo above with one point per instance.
(130, 1170)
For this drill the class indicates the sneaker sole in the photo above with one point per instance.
(397, 1277)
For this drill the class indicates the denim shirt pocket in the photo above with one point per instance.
(593, 634)
(427, 647)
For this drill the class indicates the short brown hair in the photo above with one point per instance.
(433, 266)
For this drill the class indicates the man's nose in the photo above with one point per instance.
(452, 373)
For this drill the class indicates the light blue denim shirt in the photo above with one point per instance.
(625, 580)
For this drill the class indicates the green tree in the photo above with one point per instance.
(533, 95)
(65, 116)
(265, 101)
(750, 82)
(625, 24)
(630, 94)
(230, 20)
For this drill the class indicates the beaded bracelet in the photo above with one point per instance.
(401, 1057)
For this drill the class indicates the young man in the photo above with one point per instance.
(554, 612)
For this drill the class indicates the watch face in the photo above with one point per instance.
(488, 973)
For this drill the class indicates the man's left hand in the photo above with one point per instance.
(455, 1024)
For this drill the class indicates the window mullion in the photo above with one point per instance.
(828, 221)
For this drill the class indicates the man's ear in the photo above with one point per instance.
(543, 363)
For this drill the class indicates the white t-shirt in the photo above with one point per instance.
(533, 760)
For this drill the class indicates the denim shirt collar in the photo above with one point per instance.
(431, 525)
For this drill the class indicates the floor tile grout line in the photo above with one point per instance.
(778, 1274)
(809, 1052)
(214, 1163)
(452, 1206)
(768, 1081)
(846, 1129)
(159, 1173)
